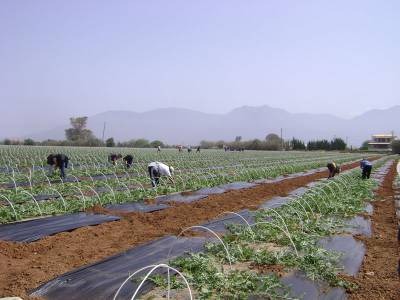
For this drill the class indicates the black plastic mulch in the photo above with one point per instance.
(237, 185)
(180, 198)
(220, 225)
(136, 206)
(33, 230)
(101, 280)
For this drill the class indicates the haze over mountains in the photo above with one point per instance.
(183, 126)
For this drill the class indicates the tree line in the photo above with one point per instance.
(273, 142)
(79, 135)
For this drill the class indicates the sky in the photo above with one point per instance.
(81, 57)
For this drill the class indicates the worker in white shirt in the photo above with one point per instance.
(158, 169)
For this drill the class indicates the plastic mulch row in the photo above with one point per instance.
(33, 230)
(101, 280)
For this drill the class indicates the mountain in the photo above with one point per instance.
(184, 126)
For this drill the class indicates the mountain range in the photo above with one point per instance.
(183, 126)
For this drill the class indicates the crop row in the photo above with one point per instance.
(285, 239)
(23, 202)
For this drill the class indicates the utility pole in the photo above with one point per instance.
(104, 131)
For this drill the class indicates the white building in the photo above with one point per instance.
(381, 142)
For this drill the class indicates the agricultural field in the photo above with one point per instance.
(27, 190)
(234, 225)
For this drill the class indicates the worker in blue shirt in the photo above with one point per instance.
(366, 168)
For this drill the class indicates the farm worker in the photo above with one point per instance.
(158, 149)
(366, 168)
(58, 161)
(189, 149)
(198, 149)
(128, 159)
(333, 169)
(113, 158)
(157, 169)
(180, 148)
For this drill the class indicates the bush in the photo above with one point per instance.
(396, 146)
(110, 142)
(364, 145)
(29, 142)
(141, 143)
(156, 143)
(296, 144)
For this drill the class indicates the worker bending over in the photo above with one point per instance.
(333, 169)
(366, 167)
(58, 161)
(158, 169)
(112, 158)
(128, 159)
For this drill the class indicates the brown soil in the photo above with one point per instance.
(278, 270)
(25, 266)
(378, 278)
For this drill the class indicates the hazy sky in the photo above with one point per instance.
(63, 58)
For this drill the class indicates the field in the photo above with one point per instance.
(27, 187)
(234, 225)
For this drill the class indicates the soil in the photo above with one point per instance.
(26, 266)
(278, 270)
(378, 277)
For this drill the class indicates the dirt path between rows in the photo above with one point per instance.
(25, 266)
(378, 277)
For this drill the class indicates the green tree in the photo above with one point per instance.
(29, 142)
(220, 144)
(110, 142)
(156, 143)
(141, 143)
(92, 142)
(273, 142)
(78, 131)
(338, 144)
(207, 144)
(364, 145)
(318, 145)
(296, 144)
(396, 146)
(7, 142)
(255, 144)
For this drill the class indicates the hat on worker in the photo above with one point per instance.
(171, 169)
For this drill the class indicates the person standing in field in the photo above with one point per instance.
(112, 158)
(366, 167)
(189, 149)
(157, 169)
(159, 149)
(333, 169)
(58, 161)
(128, 159)
(198, 149)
